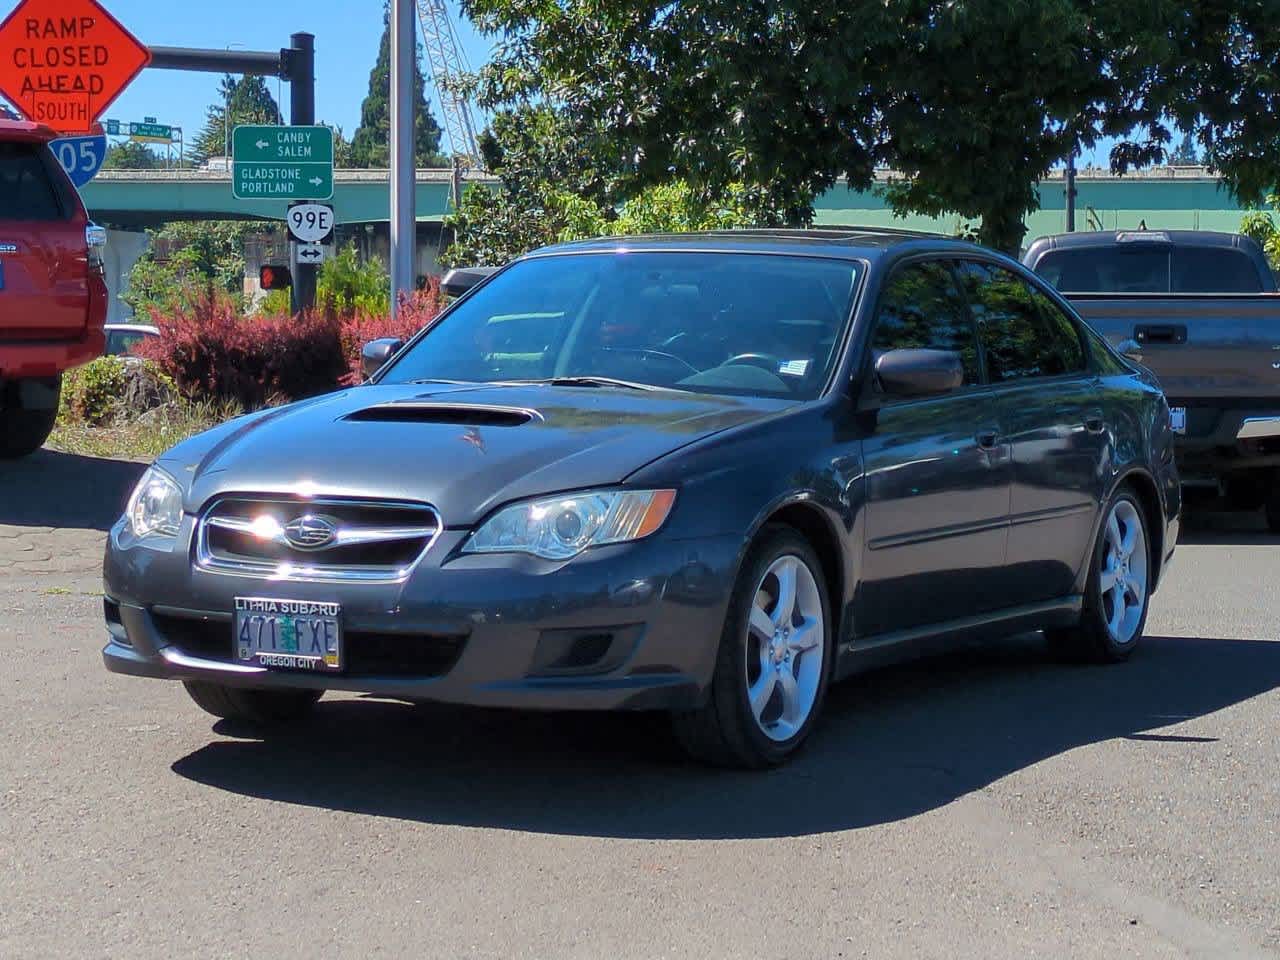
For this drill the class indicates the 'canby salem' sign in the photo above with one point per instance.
(63, 61)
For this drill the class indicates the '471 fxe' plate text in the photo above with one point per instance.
(289, 634)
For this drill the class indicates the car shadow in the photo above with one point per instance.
(893, 743)
(53, 489)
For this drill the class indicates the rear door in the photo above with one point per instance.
(44, 275)
(937, 472)
(1048, 396)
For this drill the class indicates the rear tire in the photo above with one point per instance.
(1247, 490)
(1120, 570)
(1273, 503)
(775, 657)
(22, 430)
(260, 708)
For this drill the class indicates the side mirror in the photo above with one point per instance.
(919, 373)
(1131, 348)
(375, 354)
(461, 279)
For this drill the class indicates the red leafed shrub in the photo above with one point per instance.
(212, 351)
(416, 311)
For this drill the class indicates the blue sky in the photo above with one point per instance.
(346, 32)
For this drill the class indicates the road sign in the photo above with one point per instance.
(311, 222)
(313, 252)
(151, 132)
(81, 157)
(282, 163)
(63, 61)
(112, 127)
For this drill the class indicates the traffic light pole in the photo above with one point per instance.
(404, 241)
(297, 64)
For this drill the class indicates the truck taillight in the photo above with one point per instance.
(95, 238)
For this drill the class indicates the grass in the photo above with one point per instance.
(141, 438)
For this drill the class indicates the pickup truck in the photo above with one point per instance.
(1201, 310)
(53, 294)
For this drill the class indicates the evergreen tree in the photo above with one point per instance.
(371, 145)
(131, 155)
(249, 101)
(1186, 155)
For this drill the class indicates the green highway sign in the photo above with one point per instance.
(281, 163)
(151, 132)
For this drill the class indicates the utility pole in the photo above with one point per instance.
(404, 241)
(302, 113)
(1071, 191)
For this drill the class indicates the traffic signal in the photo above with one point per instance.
(274, 276)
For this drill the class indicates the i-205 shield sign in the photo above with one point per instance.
(62, 62)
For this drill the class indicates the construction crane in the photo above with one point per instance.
(448, 64)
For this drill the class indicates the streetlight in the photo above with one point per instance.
(226, 117)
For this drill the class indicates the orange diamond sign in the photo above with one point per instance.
(63, 61)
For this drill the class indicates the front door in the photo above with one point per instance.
(937, 472)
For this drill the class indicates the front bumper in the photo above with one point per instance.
(472, 629)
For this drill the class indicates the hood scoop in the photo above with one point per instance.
(464, 414)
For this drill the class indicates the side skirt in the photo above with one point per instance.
(869, 652)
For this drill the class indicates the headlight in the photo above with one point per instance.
(560, 527)
(155, 506)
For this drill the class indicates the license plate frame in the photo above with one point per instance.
(299, 636)
(1178, 419)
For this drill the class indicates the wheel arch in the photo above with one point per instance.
(811, 522)
(1144, 488)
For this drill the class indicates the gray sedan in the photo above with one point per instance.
(707, 475)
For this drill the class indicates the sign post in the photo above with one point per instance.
(63, 62)
(282, 163)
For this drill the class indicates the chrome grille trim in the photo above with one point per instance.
(314, 569)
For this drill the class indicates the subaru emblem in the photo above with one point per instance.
(311, 532)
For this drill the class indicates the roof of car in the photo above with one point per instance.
(853, 243)
(1102, 238)
(132, 327)
(24, 130)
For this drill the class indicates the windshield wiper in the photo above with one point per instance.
(584, 382)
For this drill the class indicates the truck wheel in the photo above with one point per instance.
(24, 430)
(259, 708)
(1273, 505)
(1246, 491)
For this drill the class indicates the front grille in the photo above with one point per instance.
(314, 539)
(366, 653)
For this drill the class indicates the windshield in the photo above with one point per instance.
(753, 324)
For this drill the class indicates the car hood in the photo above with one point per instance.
(463, 448)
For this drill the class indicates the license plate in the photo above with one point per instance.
(1178, 419)
(289, 634)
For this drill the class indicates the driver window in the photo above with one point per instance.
(921, 308)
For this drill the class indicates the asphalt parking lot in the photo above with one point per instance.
(989, 803)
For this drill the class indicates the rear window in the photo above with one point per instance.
(26, 190)
(1150, 268)
(1214, 270)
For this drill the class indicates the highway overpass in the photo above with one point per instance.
(1162, 197)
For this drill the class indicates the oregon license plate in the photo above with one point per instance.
(289, 634)
(1178, 419)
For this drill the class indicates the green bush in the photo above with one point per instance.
(345, 284)
(91, 393)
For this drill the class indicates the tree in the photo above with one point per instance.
(371, 144)
(243, 100)
(1186, 155)
(971, 103)
(130, 155)
(187, 260)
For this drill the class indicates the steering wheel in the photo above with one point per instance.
(659, 354)
(765, 361)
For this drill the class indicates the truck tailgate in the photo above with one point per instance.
(1200, 346)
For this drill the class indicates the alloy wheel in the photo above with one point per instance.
(786, 634)
(1123, 574)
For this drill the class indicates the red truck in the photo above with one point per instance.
(53, 293)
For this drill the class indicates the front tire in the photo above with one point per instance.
(773, 665)
(1118, 594)
(23, 430)
(259, 708)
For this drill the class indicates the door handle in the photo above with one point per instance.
(987, 438)
(1094, 423)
